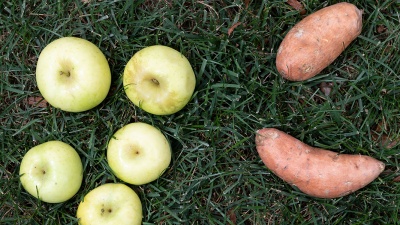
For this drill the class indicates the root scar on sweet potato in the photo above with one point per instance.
(317, 172)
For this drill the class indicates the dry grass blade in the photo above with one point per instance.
(297, 5)
(232, 28)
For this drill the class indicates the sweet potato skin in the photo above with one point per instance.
(317, 40)
(317, 172)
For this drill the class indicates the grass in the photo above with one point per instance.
(215, 176)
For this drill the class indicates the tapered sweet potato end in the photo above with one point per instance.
(266, 134)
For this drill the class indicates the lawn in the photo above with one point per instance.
(216, 175)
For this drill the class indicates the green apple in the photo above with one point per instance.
(73, 74)
(159, 79)
(110, 204)
(51, 171)
(138, 153)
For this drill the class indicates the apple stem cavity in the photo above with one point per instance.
(67, 74)
(155, 81)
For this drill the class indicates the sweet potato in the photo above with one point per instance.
(317, 40)
(317, 172)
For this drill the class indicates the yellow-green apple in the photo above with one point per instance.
(138, 153)
(159, 79)
(73, 74)
(51, 171)
(110, 204)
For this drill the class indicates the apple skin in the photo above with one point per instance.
(159, 79)
(73, 74)
(110, 204)
(53, 170)
(138, 153)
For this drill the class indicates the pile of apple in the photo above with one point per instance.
(158, 79)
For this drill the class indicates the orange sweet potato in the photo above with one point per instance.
(317, 40)
(317, 172)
